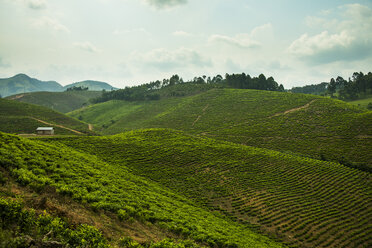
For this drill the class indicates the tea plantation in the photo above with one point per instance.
(300, 201)
(307, 125)
(64, 102)
(112, 187)
(18, 117)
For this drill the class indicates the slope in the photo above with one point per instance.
(64, 102)
(92, 85)
(304, 202)
(19, 117)
(113, 188)
(313, 126)
(22, 83)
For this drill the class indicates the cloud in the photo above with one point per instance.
(47, 22)
(241, 40)
(261, 30)
(344, 38)
(181, 33)
(36, 4)
(86, 46)
(163, 4)
(166, 60)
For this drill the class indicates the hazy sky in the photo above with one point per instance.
(129, 42)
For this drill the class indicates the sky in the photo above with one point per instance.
(131, 42)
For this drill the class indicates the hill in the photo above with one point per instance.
(306, 125)
(92, 85)
(64, 102)
(300, 201)
(19, 117)
(142, 208)
(365, 102)
(22, 83)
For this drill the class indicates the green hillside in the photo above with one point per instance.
(19, 117)
(301, 201)
(365, 102)
(113, 189)
(22, 83)
(313, 126)
(64, 102)
(92, 85)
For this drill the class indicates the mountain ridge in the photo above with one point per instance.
(22, 83)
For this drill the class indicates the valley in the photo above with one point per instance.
(212, 167)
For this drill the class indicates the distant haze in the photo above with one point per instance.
(129, 42)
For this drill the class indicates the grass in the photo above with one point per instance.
(362, 102)
(307, 125)
(59, 101)
(301, 201)
(18, 117)
(114, 188)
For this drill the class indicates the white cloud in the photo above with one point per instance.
(163, 4)
(261, 30)
(181, 33)
(86, 46)
(324, 42)
(166, 60)
(346, 37)
(241, 40)
(36, 4)
(47, 22)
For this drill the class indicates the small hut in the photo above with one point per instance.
(45, 131)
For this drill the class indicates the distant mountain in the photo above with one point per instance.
(92, 85)
(21, 83)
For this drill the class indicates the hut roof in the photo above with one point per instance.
(44, 129)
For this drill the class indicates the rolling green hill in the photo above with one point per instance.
(92, 85)
(110, 188)
(363, 102)
(64, 102)
(22, 83)
(19, 117)
(301, 201)
(300, 124)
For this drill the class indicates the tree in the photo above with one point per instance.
(332, 87)
(369, 106)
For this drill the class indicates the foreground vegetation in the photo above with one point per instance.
(306, 125)
(113, 188)
(301, 201)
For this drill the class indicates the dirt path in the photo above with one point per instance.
(294, 109)
(17, 97)
(203, 111)
(90, 126)
(50, 124)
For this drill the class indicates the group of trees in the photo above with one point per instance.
(355, 87)
(243, 81)
(77, 88)
(152, 90)
(351, 89)
(315, 89)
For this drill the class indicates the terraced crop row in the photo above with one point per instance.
(114, 188)
(308, 125)
(301, 201)
(19, 117)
